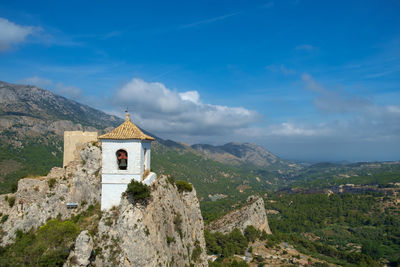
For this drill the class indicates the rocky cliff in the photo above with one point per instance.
(165, 230)
(252, 213)
(41, 198)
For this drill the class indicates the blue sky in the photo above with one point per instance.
(308, 80)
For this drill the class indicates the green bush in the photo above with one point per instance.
(138, 191)
(183, 186)
(170, 179)
(14, 187)
(48, 246)
(11, 201)
(4, 218)
(225, 245)
(178, 224)
(251, 233)
(170, 239)
(51, 183)
(196, 253)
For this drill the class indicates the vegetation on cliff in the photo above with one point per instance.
(138, 191)
(51, 243)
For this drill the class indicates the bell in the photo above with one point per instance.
(122, 164)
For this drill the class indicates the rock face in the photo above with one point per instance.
(82, 255)
(166, 231)
(33, 102)
(253, 213)
(40, 198)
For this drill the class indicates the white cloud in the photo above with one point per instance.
(68, 91)
(165, 111)
(353, 128)
(335, 101)
(12, 34)
(36, 80)
(291, 129)
(58, 88)
(192, 96)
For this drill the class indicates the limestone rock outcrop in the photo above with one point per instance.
(165, 231)
(252, 213)
(83, 254)
(41, 198)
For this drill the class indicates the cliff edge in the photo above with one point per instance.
(165, 230)
(252, 213)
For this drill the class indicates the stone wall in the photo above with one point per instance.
(73, 143)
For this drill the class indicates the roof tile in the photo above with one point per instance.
(127, 130)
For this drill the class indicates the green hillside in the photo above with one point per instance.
(343, 229)
(34, 157)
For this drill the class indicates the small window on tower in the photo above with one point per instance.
(122, 159)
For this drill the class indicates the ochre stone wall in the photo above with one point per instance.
(73, 142)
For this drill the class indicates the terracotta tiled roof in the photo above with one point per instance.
(127, 130)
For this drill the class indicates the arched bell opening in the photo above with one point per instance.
(122, 159)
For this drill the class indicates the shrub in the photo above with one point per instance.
(170, 179)
(138, 191)
(51, 183)
(147, 231)
(55, 232)
(225, 245)
(251, 233)
(48, 246)
(178, 224)
(196, 253)
(263, 236)
(11, 201)
(183, 186)
(14, 187)
(170, 239)
(4, 218)
(54, 258)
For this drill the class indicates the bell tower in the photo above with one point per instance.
(125, 156)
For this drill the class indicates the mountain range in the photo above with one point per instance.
(33, 120)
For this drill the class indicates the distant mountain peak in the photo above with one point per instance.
(236, 153)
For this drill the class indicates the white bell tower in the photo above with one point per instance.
(125, 156)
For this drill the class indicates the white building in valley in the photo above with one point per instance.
(125, 156)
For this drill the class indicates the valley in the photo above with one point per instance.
(338, 214)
